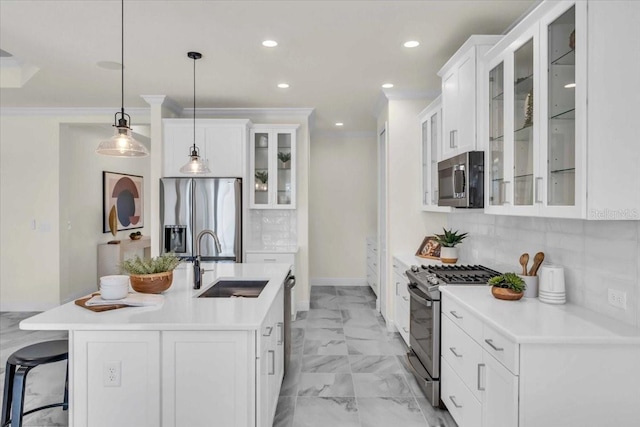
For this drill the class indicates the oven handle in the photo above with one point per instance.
(419, 298)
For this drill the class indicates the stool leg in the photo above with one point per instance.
(65, 406)
(18, 395)
(8, 385)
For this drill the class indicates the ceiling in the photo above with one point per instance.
(334, 54)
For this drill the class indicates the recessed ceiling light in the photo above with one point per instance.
(109, 65)
(269, 43)
(283, 85)
(570, 85)
(412, 43)
(387, 85)
(339, 124)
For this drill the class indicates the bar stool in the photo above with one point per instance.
(18, 366)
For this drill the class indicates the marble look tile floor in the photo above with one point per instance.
(348, 370)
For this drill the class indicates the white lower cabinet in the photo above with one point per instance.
(401, 299)
(500, 394)
(178, 378)
(195, 365)
(465, 409)
(372, 265)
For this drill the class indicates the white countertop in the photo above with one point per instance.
(409, 260)
(531, 321)
(180, 310)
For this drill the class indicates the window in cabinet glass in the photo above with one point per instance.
(496, 135)
(562, 104)
(261, 164)
(284, 169)
(523, 125)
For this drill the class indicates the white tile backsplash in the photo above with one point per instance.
(272, 228)
(596, 255)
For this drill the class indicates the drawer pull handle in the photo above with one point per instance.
(453, 350)
(492, 345)
(454, 314)
(406, 298)
(268, 333)
(405, 329)
(397, 283)
(453, 399)
(480, 366)
(269, 259)
(395, 266)
(280, 326)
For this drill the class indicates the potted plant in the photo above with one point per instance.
(262, 177)
(151, 276)
(448, 242)
(507, 286)
(285, 158)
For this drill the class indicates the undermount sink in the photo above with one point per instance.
(235, 288)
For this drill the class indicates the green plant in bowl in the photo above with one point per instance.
(508, 281)
(450, 238)
(262, 176)
(160, 264)
(284, 157)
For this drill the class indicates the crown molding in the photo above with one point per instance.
(252, 112)
(164, 101)
(69, 111)
(398, 94)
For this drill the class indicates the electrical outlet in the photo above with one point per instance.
(617, 298)
(111, 374)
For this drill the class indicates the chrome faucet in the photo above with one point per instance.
(197, 272)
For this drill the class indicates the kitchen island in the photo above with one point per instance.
(186, 362)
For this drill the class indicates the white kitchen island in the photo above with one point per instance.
(187, 362)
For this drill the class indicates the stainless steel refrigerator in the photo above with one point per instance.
(190, 205)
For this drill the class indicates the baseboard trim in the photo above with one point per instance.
(338, 281)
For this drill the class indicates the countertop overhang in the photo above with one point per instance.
(531, 321)
(180, 309)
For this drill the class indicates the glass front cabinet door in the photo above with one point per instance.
(273, 167)
(531, 140)
(431, 122)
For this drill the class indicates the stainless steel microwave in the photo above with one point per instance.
(461, 180)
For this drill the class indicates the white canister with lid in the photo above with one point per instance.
(551, 284)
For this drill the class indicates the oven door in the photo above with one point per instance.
(424, 330)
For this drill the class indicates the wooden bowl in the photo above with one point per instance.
(151, 283)
(503, 293)
(136, 237)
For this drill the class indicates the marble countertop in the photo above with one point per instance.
(180, 309)
(531, 321)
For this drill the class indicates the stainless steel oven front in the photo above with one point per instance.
(424, 339)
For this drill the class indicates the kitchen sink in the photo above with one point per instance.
(235, 288)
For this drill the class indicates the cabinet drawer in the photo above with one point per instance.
(400, 288)
(465, 409)
(502, 348)
(463, 318)
(399, 268)
(463, 354)
(271, 258)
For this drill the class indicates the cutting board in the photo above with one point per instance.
(97, 308)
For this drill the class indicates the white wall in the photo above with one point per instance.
(596, 255)
(30, 273)
(342, 205)
(81, 204)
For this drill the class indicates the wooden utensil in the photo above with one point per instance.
(537, 260)
(524, 260)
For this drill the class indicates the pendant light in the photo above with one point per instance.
(196, 164)
(122, 143)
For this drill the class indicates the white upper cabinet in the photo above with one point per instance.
(462, 87)
(543, 157)
(221, 143)
(431, 122)
(272, 167)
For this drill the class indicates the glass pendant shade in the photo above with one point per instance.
(196, 165)
(122, 144)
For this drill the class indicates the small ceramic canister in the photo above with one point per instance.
(531, 283)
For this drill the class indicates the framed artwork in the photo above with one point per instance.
(122, 201)
(430, 248)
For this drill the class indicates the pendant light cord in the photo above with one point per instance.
(122, 56)
(194, 103)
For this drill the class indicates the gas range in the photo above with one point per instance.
(429, 278)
